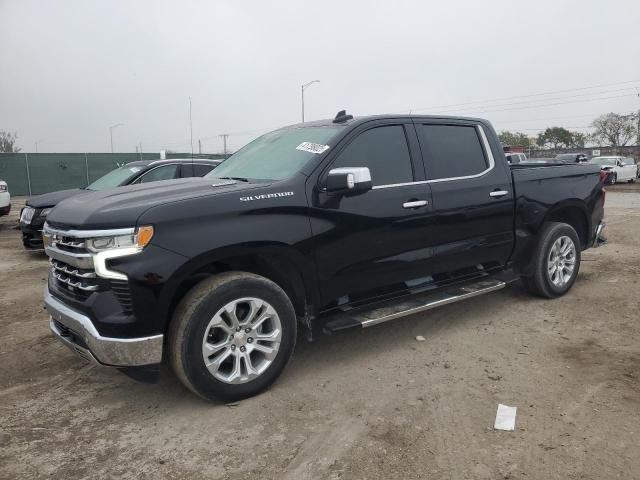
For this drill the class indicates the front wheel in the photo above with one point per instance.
(231, 336)
(555, 261)
(614, 179)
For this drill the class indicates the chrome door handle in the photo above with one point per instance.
(498, 193)
(415, 204)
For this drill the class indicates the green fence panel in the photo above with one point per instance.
(13, 170)
(48, 172)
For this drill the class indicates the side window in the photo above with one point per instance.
(384, 150)
(201, 170)
(451, 150)
(165, 172)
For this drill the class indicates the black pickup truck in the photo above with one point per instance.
(319, 227)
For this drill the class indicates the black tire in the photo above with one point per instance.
(190, 321)
(539, 281)
(614, 179)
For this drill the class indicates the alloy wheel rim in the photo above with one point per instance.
(562, 261)
(241, 340)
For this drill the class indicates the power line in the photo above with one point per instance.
(527, 96)
(552, 104)
(551, 99)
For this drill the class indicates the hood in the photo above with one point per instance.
(122, 206)
(51, 199)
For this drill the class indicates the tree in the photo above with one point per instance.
(556, 137)
(578, 139)
(614, 130)
(513, 138)
(8, 142)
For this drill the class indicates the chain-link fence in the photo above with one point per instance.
(36, 173)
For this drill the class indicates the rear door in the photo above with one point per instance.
(370, 244)
(472, 196)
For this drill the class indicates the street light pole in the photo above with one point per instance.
(111, 133)
(302, 87)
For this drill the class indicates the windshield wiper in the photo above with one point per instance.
(240, 179)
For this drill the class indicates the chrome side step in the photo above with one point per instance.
(409, 305)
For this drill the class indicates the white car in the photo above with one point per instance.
(619, 169)
(5, 198)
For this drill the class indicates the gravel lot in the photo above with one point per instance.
(375, 404)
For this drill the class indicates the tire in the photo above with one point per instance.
(614, 179)
(205, 308)
(545, 281)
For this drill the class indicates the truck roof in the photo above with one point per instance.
(367, 118)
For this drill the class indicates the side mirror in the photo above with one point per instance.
(348, 180)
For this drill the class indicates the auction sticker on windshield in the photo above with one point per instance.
(312, 147)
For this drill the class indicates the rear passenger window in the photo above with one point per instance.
(451, 151)
(384, 151)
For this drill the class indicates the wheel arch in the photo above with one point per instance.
(574, 213)
(282, 264)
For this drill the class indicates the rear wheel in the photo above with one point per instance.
(231, 336)
(555, 261)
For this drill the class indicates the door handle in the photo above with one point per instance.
(498, 193)
(415, 204)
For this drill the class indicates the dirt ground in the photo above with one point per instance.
(375, 404)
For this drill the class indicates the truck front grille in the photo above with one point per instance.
(78, 281)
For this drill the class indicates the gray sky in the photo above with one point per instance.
(69, 69)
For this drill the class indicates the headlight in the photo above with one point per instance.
(137, 240)
(3, 187)
(45, 212)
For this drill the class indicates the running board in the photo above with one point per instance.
(417, 303)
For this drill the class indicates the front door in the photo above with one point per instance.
(368, 245)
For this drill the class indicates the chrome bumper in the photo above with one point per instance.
(78, 333)
(598, 238)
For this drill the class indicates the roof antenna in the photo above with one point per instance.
(342, 117)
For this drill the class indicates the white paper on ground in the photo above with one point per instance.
(505, 418)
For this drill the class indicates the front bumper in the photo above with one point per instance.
(32, 235)
(76, 331)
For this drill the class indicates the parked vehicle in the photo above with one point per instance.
(324, 226)
(34, 214)
(618, 169)
(514, 158)
(572, 157)
(5, 198)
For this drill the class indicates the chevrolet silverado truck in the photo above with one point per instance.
(319, 227)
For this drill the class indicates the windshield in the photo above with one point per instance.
(611, 161)
(276, 155)
(114, 178)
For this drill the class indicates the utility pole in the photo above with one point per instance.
(199, 147)
(190, 127)
(302, 87)
(224, 139)
(111, 128)
(36, 146)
